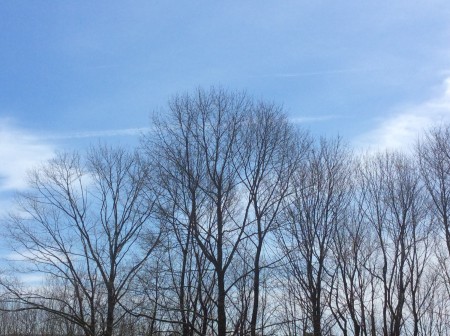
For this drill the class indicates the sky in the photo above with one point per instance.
(78, 72)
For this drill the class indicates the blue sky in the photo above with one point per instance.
(72, 73)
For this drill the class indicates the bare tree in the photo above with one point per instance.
(270, 151)
(395, 208)
(312, 216)
(352, 251)
(80, 224)
(224, 165)
(179, 169)
(195, 149)
(231, 221)
(433, 155)
(434, 158)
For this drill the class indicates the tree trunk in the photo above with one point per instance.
(256, 290)
(221, 314)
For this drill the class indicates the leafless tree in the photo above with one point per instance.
(80, 225)
(395, 208)
(351, 284)
(433, 156)
(224, 164)
(270, 150)
(174, 152)
(229, 220)
(195, 149)
(312, 216)
(433, 153)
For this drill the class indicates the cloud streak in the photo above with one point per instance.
(97, 134)
(401, 130)
(313, 119)
(324, 72)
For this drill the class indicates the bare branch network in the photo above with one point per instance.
(229, 220)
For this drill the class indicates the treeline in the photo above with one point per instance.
(229, 220)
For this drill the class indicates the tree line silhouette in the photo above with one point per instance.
(230, 220)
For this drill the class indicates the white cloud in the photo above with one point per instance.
(36, 279)
(22, 150)
(401, 130)
(19, 152)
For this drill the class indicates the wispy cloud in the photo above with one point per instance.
(313, 119)
(30, 256)
(324, 72)
(402, 129)
(19, 151)
(97, 134)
